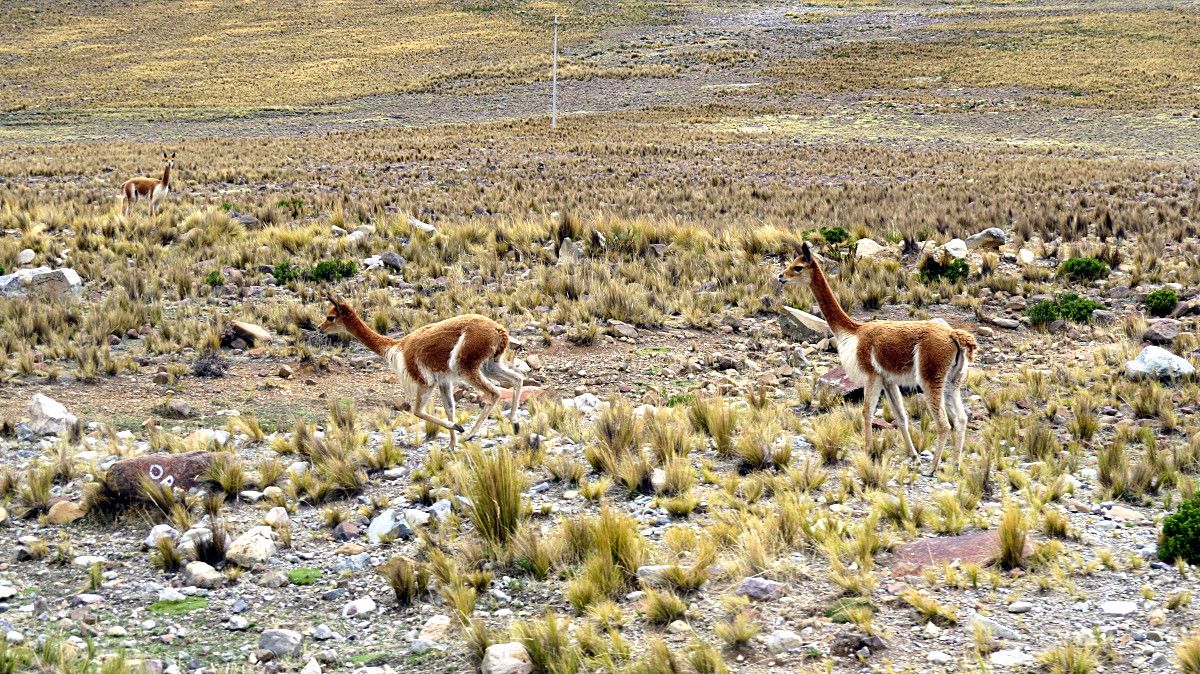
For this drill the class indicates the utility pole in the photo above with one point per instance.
(554, 86)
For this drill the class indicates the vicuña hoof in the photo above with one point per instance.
(459, 428)
(516, 427)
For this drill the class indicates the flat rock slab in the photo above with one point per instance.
(176, 470)
(981, 548)
(837, 381)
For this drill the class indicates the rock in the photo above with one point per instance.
(387, 525)
(801, 326)
(1156, 361)
(1118, 607)
(421, 226)
(1120, 512)
(313, 667)
(253, 547)
(360, 606)
(678, 627)
(1026, 256)
(760, 589)
(955, 248)
(159, 532)
(508, 658)
(65, 512)
(434, 634)
(244, 219)
(1001, 322)
(1010, 658)
(393, 261)
(992, 237)
(836, 381)
(281, 643)
(653, 574)
(181, 409)
(345, 531)
(203, 575)
(997, 629)
(251, 333)
(26, 256)
(782, 641)
(623, 329)
(1020, 607)
(569, 251)
(47, 416)
(848, 643)
(41, 279)
(868, 249)
(980, 548)
(177, 470)
(285, 372)
(1103, 317)
(1162, 331)
(277, 517)
(939, 658)
(325, 633)
(273, 579)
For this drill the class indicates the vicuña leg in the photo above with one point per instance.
(896, 402)
(446, 390)
(422, 402)
(933, 395)
(871, 391)
(960, 424)
(513, 380)
(491, 396)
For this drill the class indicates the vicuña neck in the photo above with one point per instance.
(370, 339)
(839, 321)
(166, 175)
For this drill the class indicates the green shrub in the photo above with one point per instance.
(1072, 307)
(331, 270)
(1068, 306)
(1083, 269)
(1, 270)
(834, 235)
(953, 271)
(1161, 302)
(303, 575)
(1181, 534)
(1043, 312)
(286, 273)
(214, 278)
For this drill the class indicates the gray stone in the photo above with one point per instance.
(782, 641)
(387, 525)
(421, 226)
(393, 261)
(41, 279)
(1162, 331)
(25, 257)
(282, 643)
(992, 237)
(569, 251)
(203, 575)
(994, 627)
(955, 248)
(1020, 607)
(801, 326)
(1155, 361)
(760, 589)
(253, 547)
(1115, 607)
(508, 658)
(1011, 658)
(47, 416)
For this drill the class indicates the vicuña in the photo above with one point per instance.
(465, 349)
(882, 356)
(154, 189)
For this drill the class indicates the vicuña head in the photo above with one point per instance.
(882, 356)
(466, 349)
(154, 189)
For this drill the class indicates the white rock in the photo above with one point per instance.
(1011, 658)
(423, 226)
(26, 256)
(1118, 607)
(159, 532)
(434, 634)
(1155, 361)
(42, 279)
(867, 248)
(313, 667)
(253, 547)
(956, 248)
(782, 641)
(992, 237)
(47, 416)
(1020, 607)
(939, 658)
(509, 658)
(1026, 256)
(201, 574)
(360, 606)
(277, 517)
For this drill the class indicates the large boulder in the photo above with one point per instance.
(869, 249)
(47, 416)
(980, 548)
(40, 279)
(509, 658)
(252, 548)
(1155, 361)
(176, 470)
(1162, 331)
(992, 237)
(801, 326)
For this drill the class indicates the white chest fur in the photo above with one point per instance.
(159, 191)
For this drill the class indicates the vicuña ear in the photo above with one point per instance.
(806, 251)
(164, 154)
(172, 155)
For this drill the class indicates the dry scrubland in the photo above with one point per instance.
(678, 446)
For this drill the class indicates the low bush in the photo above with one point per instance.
(1083, 269)
(1161, 302)
(331, 270)
(1068, 306)
(955, 270)
(1181, 534)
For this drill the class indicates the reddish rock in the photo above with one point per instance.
(837, 381)
(981, 548)
(345, 531)
(178, 470)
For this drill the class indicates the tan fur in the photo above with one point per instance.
(464, 349)
(154, 189)
(884, 355)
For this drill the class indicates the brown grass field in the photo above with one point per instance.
(697, 146)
